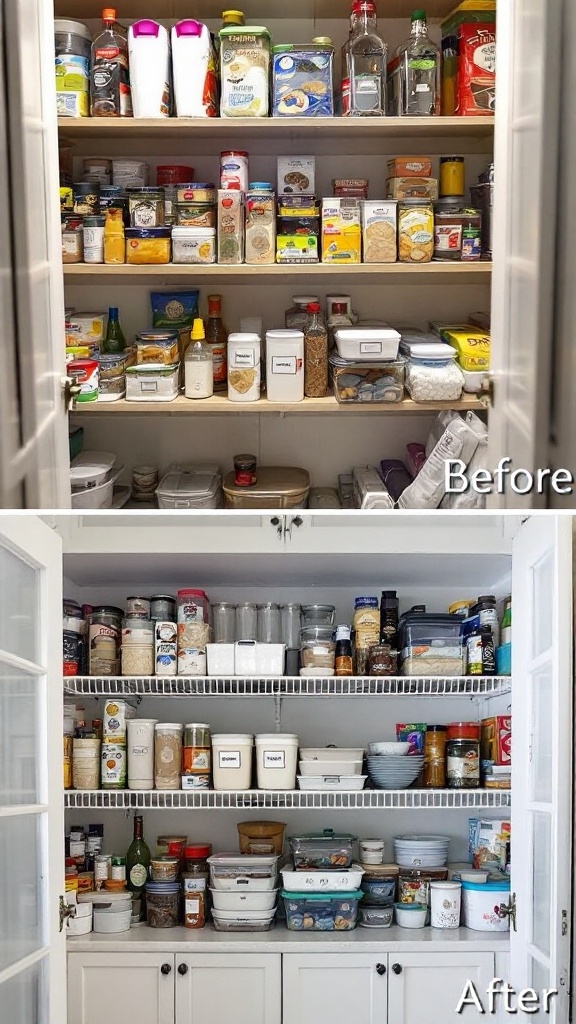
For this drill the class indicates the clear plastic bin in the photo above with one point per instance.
(326, 850)
(435, 657)
(232, 871)
(321, 912)
(354, 382)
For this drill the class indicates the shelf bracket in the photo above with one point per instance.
(277, 712)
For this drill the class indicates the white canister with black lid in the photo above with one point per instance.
(243, 367)
(285, 366)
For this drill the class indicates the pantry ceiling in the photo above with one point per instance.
(261, 11)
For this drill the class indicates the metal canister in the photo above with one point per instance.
(166, 648)
(86, 198)
(196, 752)
(104, 634)
(462, 764)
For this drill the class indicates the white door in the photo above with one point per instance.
(335, 988)
(221, 988)
(542, 673)
(33, 419)
(32, 949)
(133, 988)
(426, 988)
(528, 67)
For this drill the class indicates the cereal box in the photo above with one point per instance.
(296, 174)
(302, 81)
(410, 167)
(341, 231)
(379, 227)
(496, 739)
(412, 187)
(488, 842)
(230, 227)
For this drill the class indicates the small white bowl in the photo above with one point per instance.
(411, 915)
(388, 748)
(474, 875)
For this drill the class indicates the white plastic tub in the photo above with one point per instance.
(332, 753)
(89, 469)
(480, 901)
(336, 783)
(232, 760)
(240, 902)
(367, 344)
(220, 659)
(152, 383)
(253, 658)
(231, 872)
(276, 756)
(111, 923)
(99, 496)
(243, 920)
(342, 767)
(322, 881)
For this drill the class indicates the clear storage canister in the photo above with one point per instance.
(224, 622)
(296, 317)
(246, 621)
(269, 628)
(290, 616)
(167, 755)
(196, 758)
(243, 367)
(163, 608)
(137, 647)
(317, 647)
(104, 635)
(193, 631)
(433, 378)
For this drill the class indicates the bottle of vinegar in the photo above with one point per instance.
(138, 859)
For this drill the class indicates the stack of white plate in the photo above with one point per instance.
(394, 771)
(421, 851)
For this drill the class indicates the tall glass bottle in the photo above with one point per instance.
(368, 56)
(217, 339)
(110, 94)
(345, 82)
(414, 74)
(114, 340)
(138, 859)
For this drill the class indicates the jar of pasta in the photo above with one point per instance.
(415, 230)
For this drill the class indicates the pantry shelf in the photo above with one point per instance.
(254, 10)
(207, 799)
(447, 273)
(287, 686)
(220, 405)
(124, 130)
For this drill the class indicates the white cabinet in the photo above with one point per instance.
(136, 987)
(335, 988)
(425, 988)
(223, 987)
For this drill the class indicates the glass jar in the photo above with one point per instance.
(452, 181)
(296, 317)
(268, 624)
(195, 909)
(197, 859)
(245, 470)
(318, 649)
(290, 618)
(224, 622)
(162, 904)
(118, 869)
(434, 757)
(167, 755)
(382, 660)
(462, 764)
(315, 354)
(471, 235)
(162, 608)
(246, 621)
(193, 606)
(196, 751)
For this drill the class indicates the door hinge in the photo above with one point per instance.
(564, 922)
(65, 910)
(70, 392)
(487, 393)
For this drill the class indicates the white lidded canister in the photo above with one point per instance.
(276, 756)
(232, 760)
(483, 906)
(285, 366)
(141, 753)
(243, 367)
(149, 56)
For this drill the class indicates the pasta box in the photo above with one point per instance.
(496, 739)
(302, 81)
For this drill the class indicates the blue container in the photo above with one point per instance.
(321, 911)
(504, 660)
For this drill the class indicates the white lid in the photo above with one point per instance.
(184, 232)
(366, 334)
(243, 338)
(429, 351)
(104, 897)
(76, 28)
(226, 739)
(277, 737)
(247, 860)
(172, 726)
(414, 336)
(87, 465)
(305, 298)
(284, 335)
(180, 483)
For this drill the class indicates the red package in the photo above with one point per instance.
(476, 86)
(416, 457)
(496, 742)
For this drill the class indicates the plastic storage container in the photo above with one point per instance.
(375, 917)
(232, 760)
(253, 658)
(431, 645)
(317, 648)
(232, 871)
(152, 383)
(331, 754)
(261, 837)
(333, 768)
(481, 902)
(89, 469)
(321, 912)
(367, 344)
(277, 487)
(432, 374)
(243, 920)
(179, 489)
(284, 366)
(240, 901)
(347, 880)
(336, 783)
(353, 381)
(324, 850)
(276, 755)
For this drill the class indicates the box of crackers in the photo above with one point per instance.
(341, 230)
(379, 230)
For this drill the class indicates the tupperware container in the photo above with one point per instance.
(232, 760)
(261, 837)
(347, 880)
(99, 496)
(310, 768)
(321, 912)
(154, 382)
(277, 487)
(243, 921)
(276, 755)
(336, 783)
(318, 614)
(370, 381)
(375, 917)
(430, 644)
(331, 753)
(369, 344)
(234, 871)
(89, 469)
(240, 902)
(411, 915)
(317, 647)
(181, 489)
(253, 658)
(325, 850)
(481, 902)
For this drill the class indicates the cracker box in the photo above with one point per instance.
(296, 174)
(302, 81)
(488, 843)
(341, 231)
(379, 231)
(230, 210)
(412, 188)
(496, 739)
(297, 248)
(410, 167)
(472, 346)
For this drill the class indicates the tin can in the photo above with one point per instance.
(85, 373)
(116, 715)
(86, 198)
(234, 170)
(71, 652)
(113, 764)
(166, 648)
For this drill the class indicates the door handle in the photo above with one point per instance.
(166, 968)
(397, 968)
(70, 392)
(65, 910)
(380, 969)
(278, 522)
(182, 969)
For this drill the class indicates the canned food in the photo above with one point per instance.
(84, 372)
(146, 207)
(86, 198)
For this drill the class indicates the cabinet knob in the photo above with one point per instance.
(166, 968)
(397, 968)
(380, 969)
(275, 521)
(182, 969)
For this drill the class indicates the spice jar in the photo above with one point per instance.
(196, 756)
(195, 908)
(167, 755)
(197, 859)
(245, 470)
(434, 776)
(315, 353)
(382, 660)
(452, 176)
(463, 755)
(118, 869)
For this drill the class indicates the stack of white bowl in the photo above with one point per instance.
(336, 768)
(391, 766)
(421, 851)
(112, 910)
(81, 922)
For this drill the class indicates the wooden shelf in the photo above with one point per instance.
(256, 11)
(126, 129)
(446, 273)
(220, 406)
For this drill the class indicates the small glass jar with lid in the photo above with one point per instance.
(382, 660)
(296, 317)
(197, 859)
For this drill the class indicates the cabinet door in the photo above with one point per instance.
(220, 988)
(335, 988)
(425, 988)
(137, 988)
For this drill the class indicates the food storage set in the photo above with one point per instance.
(330, 881)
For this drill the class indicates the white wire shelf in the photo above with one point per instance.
(286, 686)
(401, 799)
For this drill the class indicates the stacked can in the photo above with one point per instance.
(193, 632)
(114, 736)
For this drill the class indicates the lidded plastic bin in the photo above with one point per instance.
(185, 489)
(321, 912)
(276, 487)
(326, 850)
(276, 756)
(232, 871)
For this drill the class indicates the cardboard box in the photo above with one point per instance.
(297, 248)
(296, 174)
(410, 167)
(488, 843)
(379, 231)
(412, 188)
(496, 739)
(341, 231)
(230, 233)
(302, 82)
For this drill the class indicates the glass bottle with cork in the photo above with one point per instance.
(217, 340)
(114, 341)
(198, 365)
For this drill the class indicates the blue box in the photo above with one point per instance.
(504, 660)
(302, 81)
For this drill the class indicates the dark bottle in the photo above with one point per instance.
(389, 619)
(343, 654)
(481, 652)
(114, 340)
(138, 859)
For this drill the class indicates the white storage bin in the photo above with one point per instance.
(247, 872)
(347, 880)
(99, 496)
(276, 756)
(367, 344)
(154, 382)
(332, 754)
(193, 245)
(243, 921)
(89, 469)
(81, 923)
(337, 783)
(232, 760)
(330, 767)
(284, 366)
(479, 902)
(253, 658)
(240, 902)
(220, 659)
(111, 923)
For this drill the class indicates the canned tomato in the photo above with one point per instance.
(234, 170)
(84, 372)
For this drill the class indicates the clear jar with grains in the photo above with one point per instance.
(167, 755)
(315, 354)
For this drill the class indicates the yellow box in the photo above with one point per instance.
(341, 231)
(473, 348)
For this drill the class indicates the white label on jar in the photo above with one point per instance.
(94, 245)
(370, 346)
(462, 767)
(284, 364)
(274, 759)
(243, 357)
(192, 905)
(139, 751)
(194, 884)
(229, 759)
